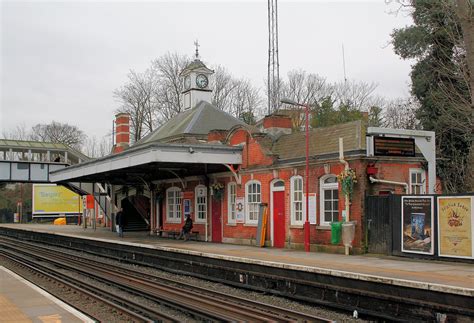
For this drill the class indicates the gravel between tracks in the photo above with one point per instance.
(104, 314)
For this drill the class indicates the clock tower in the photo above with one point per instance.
(196, 78)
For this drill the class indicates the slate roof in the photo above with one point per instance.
(321, 141)
(194, 65)
(35, 146)
(199, 120)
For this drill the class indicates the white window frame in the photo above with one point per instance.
(176, 214)
(197, 203)
(322, 187)
(231, 211)
(249, 205)
(422, 185)
(293, 202)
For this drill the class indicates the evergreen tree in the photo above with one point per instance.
(439, 83)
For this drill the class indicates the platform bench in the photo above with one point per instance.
(194, 235)
(168, 233)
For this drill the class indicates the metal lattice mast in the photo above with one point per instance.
(273, 81)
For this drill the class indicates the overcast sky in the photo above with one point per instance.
(62, 60)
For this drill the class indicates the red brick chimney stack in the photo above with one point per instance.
(122, 132)
(276, 125)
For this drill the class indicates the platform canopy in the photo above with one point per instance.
(153, 161)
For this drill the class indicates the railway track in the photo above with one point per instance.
(197, 302)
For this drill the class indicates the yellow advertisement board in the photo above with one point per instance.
(455, 226)
(53, 199)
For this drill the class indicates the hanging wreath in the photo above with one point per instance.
(347, 178)
(217, 191)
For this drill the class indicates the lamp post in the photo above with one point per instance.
(306, 223)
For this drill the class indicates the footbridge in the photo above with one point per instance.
(32, 161)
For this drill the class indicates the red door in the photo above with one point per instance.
(279, 219)
(216, 221)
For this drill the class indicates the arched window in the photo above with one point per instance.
(173, 204)
(329, 199)
(296, 192)
(253, 198)
(200, 214)
(231, 196)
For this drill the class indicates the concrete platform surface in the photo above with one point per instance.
(445, 276)
(21, 301)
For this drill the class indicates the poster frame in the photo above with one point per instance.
(36, 214)
(239, 210)
(407, 197)
(439, 228)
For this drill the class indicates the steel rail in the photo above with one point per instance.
(183, 301)
(201, 298)
(132, 309)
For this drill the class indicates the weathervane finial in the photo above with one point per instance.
(197, 48)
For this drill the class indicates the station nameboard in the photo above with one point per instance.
(392, 146)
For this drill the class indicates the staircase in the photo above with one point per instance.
(134, 219)
(99, 192)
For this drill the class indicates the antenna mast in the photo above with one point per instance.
(344, 63)
(273, 80)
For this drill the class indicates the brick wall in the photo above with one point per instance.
(255, 159)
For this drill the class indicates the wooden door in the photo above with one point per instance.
(279, 219)
(216, 221)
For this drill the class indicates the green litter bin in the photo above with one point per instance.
(336, 232)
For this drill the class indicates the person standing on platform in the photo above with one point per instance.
(188, 225)
(119, 220)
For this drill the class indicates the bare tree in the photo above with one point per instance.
(137, 98)
(223, 84)
(244, 99)
(169, 86)
(401, 114)
(20, 132)
(355, 94)
(58, 132)
(306, 88)
(94, 147)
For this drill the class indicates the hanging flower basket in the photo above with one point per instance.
(347, 178)
(217, 191)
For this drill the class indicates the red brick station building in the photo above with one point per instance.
(219, 170)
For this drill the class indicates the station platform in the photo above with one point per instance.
(21, 301)
(443, 276)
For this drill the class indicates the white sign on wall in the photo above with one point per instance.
(201, 192)
(239, 210)
(312, 208)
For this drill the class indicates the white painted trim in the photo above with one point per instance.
(322, 187)
(146, 155)
(229, 218)
(196, 219)
(292, 210)
(174, 219)
(423, 179)
(247, 214)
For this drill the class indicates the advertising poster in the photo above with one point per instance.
(239, 210)
(53, 199)
(417, 224)
(455, 226)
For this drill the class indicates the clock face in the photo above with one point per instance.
(187, 82)
(202, 81)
